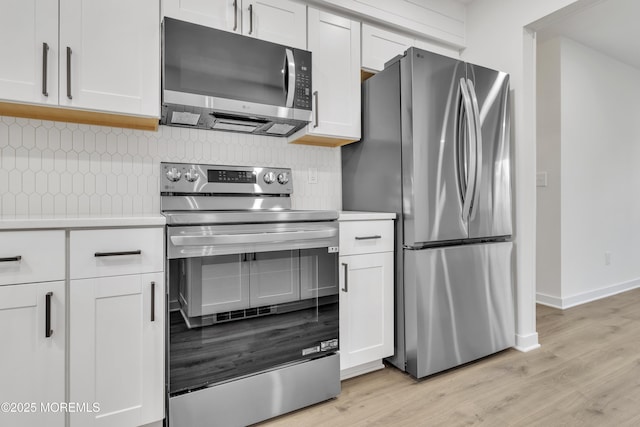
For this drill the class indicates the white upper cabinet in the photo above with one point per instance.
(441, 20)
(334, 42)
(278, 21)
(379, 46)
(221, 14)
(29, 71)
(110, 56)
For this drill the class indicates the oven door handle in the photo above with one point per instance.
(268, 237)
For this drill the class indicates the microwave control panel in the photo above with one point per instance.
(303, 98)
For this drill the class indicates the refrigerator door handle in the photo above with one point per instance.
(471, 158)
(478, 142)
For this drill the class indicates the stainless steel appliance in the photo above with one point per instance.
(253, 290)
(435, 149)
(214, 79)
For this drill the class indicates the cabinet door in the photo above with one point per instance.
(220, 14)
(379, 46)
(110, 56)
(335, 44)
(25, 26)
(116, 349)
(31, 364)
(366, 308)
(278, 21)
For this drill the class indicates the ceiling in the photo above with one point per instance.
(608, 26)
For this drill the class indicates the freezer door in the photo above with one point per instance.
(458, 305)
(491, 211)
(434, 174)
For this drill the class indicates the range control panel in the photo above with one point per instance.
(212, 179)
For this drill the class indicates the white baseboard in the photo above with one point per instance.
(583, 298)
(361, 369)
(548, 300)
(525, 343)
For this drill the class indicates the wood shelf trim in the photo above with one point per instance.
(322, 141)
(59, 114)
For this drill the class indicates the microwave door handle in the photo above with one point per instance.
(290, 71)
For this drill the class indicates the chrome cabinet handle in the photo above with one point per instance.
(11, 259)
(250, 19)
(368, 237)
(345, 266)
(153, 301)
(45, 56)
(315, 94)
(47, 315)
(105, 254)
(235, 15)
(69, 73)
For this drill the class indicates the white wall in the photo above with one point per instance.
(496, 38)
(599, 157)
(54, 168)
(548, 131)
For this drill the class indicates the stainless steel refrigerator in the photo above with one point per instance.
(435, 149)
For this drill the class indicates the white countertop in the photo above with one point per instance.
(79, 221)
(364, 216)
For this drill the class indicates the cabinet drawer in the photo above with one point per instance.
(365, 237)
(31, 256)
(114, 252)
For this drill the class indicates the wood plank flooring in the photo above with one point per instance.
(587, 373)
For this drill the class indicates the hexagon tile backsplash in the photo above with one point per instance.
(54, 168)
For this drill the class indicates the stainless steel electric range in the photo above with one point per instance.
(253, 291)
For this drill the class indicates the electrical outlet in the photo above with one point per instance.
(607, 258)
(313, 175)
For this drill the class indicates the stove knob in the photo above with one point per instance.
(173, 174)
(191, 175)
(283, 178)
(269, 177)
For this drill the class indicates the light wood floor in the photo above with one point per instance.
(587, 373)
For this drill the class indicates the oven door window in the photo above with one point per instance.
(258, 311)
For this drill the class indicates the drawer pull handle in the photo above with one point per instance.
(11, 259)
(368, 237)
(104, 254)
(346, 277)
(47, 315)
(153, 301)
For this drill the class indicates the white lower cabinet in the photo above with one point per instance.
(366, 296)
(116, 327)
(116, 349)
(32, 365)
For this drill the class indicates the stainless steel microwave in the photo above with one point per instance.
(214, 79)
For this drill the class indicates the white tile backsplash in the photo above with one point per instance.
(65, 168)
